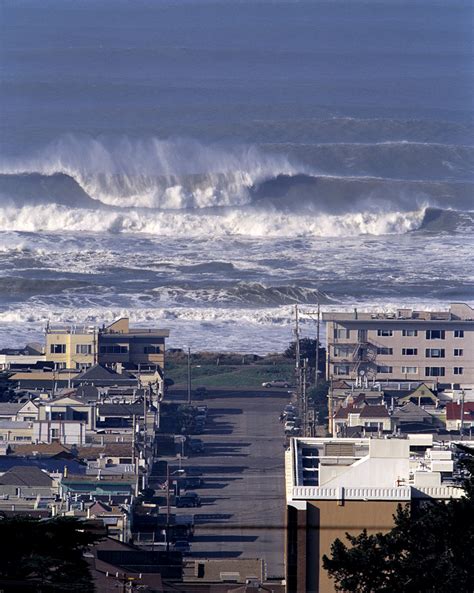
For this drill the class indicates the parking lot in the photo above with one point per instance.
(243, 472)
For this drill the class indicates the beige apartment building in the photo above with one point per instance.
(431, 346)
(80, 347)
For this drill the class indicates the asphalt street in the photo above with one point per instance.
(242, 512)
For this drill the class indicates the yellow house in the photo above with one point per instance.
(72, 347)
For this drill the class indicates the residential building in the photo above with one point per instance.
(71, 347)
(15, 431)
(334, 486)
(373, 418)
(413, 416)
(80, 347)
(434, 347)
(68, 408)
(21, 484)
(67, 432)
(454, 412)
(15, 359)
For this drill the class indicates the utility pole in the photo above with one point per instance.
(461, 427)
(189, 375)
(144, 422)
(297, 352)
(167, 507)
(304, 398)
(316, 370)
(299, 402)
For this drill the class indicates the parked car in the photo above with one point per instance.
(190, 499)
(275, 384)
(196, 446)
(182, 546)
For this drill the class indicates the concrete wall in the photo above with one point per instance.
(327, 521)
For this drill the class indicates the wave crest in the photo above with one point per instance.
(153, 173)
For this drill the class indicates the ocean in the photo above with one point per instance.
(204, 166)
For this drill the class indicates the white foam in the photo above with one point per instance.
(245, 221)
(243, 330)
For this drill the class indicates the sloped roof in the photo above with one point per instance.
(109, 449)
(98, 372)
(99, 507)
(25, 476)
(121, 410)
(340, 384)
(43, 449)
(374, 412)
(50, 464)
(343, 413)
(453, 411)
(10, 408)
(410, 412)
(87, 392)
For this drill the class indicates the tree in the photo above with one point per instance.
(308, 351)
(319, 400)
(45, 556)
(429, 550)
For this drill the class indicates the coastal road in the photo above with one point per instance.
(242, 514)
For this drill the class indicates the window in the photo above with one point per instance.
(151, 349)
(55, 433)
(409, 370)
(58, 348)
(435, 334)
(342, 333)
(409, 333)
(409, 351)
(386, 351)
(83, 349)
(114, 349)
(434, 353)
(459, 333)
(82, 366)
(80, 416)
(458, 370)
(341, 369)
(384, 369)
(59, 365)
(434, 372)
(458, 352)
(384, 332)
(341, 351)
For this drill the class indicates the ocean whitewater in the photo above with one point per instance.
(218, 242)
(205, 165)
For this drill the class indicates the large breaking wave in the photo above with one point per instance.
(181, 187)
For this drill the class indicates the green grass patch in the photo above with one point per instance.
(251, 375)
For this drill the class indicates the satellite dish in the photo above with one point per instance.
(361, 373)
